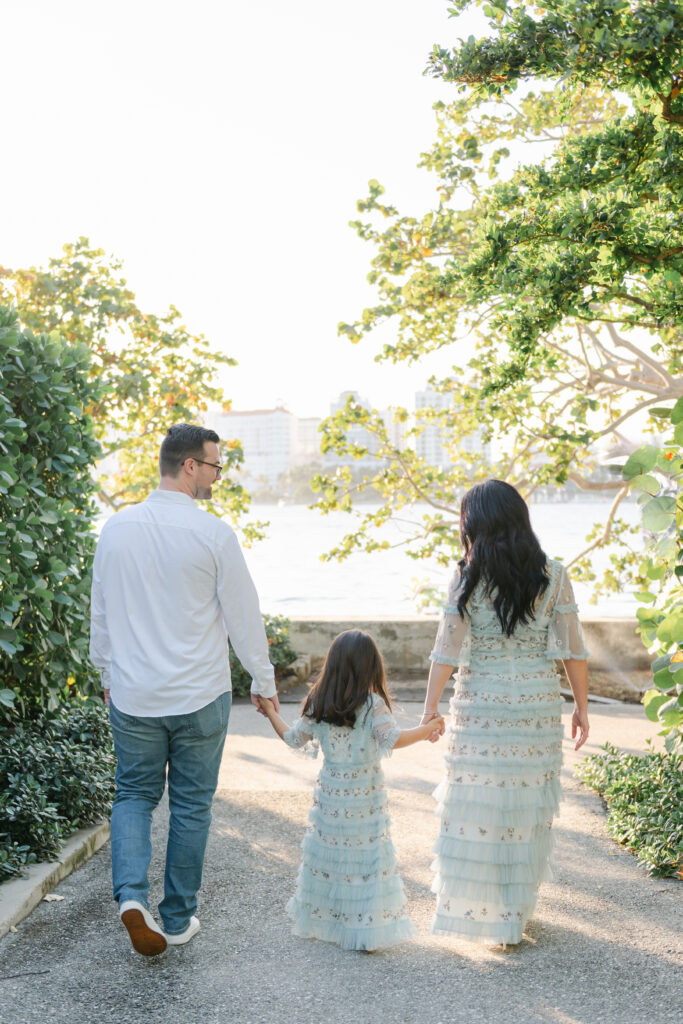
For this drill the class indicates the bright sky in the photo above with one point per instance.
(218, 149)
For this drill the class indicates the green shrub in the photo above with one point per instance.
(657, 472)
(56, 775)
(644, 797)
(46, 518)
(281, 652)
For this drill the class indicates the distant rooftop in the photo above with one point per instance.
(255, 412)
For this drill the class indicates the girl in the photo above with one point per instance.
(510, 615)
(348, 890)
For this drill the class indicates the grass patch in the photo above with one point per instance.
(644, 797)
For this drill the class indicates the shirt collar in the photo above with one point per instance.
(176, 497)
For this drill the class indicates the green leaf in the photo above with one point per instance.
(653, 700)
(663, 679)
(677, 412)
(646, 482)
(7, 698)
(640, 462)
(670, 629)
(659, 514)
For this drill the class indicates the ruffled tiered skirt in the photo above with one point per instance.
(499, 797)
(348, 890)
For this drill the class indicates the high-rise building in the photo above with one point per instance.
(432, 443)
(306, 450)
(267, 437)
(356, 434)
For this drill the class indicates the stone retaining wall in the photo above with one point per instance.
(405, 643)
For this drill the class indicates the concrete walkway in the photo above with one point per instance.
(603, 946)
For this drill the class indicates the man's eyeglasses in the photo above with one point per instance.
(216, 466)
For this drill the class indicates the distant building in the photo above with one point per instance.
(432, 444)
(267, 436)
(354, 435)
(307, 440)
(396, 432)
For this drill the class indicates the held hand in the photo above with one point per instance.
(439, 728)
(273, 701)
(434, 716)
(105, 697)
(580, 725)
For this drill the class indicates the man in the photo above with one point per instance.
(169, 581)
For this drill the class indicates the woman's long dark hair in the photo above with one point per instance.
(502, 551)
(353, 670)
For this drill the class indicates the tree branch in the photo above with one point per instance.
(649, 360)
(419, 491)
(607, 532)
(593, 485)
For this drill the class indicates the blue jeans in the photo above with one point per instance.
(191, 745)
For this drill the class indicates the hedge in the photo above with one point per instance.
(47, 450)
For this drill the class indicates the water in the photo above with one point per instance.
(291, 579)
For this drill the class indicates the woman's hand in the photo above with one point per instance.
(580, 725)
(429, 716)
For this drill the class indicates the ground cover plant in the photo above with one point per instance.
(56, 775)
(644, 797)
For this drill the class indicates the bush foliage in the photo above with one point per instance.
(281, 652)
(644, 797)
(47, 450)
(656, 472)
(56, 775)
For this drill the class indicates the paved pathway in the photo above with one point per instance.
(604, 945)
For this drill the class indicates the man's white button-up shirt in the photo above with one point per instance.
(169, 585)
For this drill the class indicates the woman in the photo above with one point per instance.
(510, 615)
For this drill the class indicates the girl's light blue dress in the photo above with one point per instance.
(348, 890)
(503, 760)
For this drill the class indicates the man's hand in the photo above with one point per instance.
(106, 698)
(257, 705)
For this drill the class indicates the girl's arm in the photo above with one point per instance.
(277, 721)
(433, 728)
(577, 674)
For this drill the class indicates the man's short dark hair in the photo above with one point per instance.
(183, 441)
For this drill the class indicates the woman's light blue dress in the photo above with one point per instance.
(502, 784)
(348, 890)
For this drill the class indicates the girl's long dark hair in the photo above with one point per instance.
(353, 670)
(502, 551)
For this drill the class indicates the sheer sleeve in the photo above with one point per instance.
(453, 634)
(565, 636)
(301, 737)
(385, 731)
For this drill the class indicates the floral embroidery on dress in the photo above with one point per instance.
(503, 759)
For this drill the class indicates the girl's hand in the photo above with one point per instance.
(436, 726)
(580, 725)
(266, 703)
(434, 716)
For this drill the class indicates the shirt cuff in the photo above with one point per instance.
(266, 688)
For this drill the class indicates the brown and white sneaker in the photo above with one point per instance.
(146, 936)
